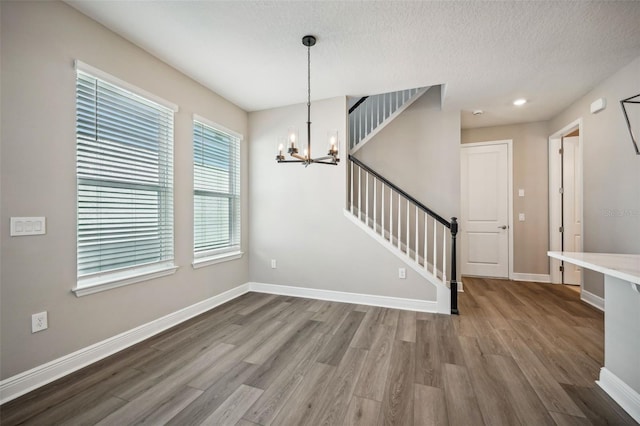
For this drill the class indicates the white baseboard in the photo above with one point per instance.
(536, 278)
(29, 380)
(592, 299)
(341, 296)
(621, 393)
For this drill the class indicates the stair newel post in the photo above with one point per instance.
(454, 276)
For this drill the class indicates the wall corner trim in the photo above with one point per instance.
(24, 382)
(592, 299)
(621, 393)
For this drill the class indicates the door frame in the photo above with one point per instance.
(509, 143)
(555, 213)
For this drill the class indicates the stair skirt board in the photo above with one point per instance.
(22, 383)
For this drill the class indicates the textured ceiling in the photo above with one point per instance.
(487, 53)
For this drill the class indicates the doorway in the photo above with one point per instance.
(486, 185)
(565, 201)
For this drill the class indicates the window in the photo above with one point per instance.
(124, 184)
(216, 191)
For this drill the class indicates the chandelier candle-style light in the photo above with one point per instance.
(291, 142)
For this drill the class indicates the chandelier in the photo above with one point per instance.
(291, 142)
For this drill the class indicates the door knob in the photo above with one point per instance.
(503, 227)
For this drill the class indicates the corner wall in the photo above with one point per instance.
(40, 40)
(297, 215)
(611, 169)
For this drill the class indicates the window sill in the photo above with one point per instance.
(97, 284)
(219, 258)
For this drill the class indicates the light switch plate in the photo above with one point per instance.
(521, 217)
(520, 192)
(22, 226)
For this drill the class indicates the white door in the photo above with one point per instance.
(572, 205)
(485, 209)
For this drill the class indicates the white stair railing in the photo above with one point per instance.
(410, 225)
(371, 113)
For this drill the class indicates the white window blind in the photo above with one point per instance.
(124, 179)
(216, 195)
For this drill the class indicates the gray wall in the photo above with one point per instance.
(297, 215)
(530, 172)
(40, 40)
(420, 152)
(611, 170)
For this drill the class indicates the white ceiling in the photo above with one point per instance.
(487, 53)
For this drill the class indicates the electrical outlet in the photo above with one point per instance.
(402, 273)
(274, 264)
(39, 322)
(521, 217)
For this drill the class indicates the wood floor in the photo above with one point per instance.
(519, 353)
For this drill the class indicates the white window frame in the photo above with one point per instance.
(233, 252)
(105, 280)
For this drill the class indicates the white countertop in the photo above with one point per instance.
(623, 266)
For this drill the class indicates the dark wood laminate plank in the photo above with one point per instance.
(98, 396)
(171, 366)
(464, 325)
(488, 385)
(89, 415)
(362, 412)
(366, 332)
(304, 400)
(371, 383)
(277, 339)
(143, 406)
(333, 401)
(202, 407)
(172, 406)
(462, 406)
(386, 316)
(335, 349)
(258, 300)
(264, 313)
(196, 336)
(397, 402)
(597, 406)
(267, 407)
(429, 406)
(561, 419)
(279, 361)
(224, 364)
(234, 407)
(36, 402)
(406, 326)
(549, 391)
(520, 395)
(428, 370)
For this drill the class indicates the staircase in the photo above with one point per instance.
(413, 232)
(372, 113)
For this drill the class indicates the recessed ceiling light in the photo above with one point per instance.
(478, 112)
(519, 102)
